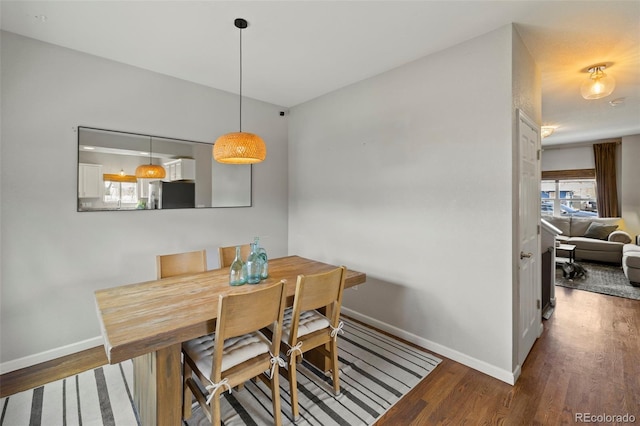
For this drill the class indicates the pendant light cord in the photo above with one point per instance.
(240, 79)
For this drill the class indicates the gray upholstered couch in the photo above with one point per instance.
(602, 241)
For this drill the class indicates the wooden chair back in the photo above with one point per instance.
(170, 265)
(228, 254)
(323, 293)
(244, 313)
(241, 313)
(318, 291)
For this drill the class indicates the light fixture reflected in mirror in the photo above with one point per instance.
(150, 171)
(599, 84)
(239, 147)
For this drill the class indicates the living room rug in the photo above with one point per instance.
(376, 371)
(601, 278)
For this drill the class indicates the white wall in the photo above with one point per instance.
(567, 158)
(54, 258)
(630, 183)
(408, 177)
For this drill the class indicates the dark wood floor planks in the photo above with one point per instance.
(586, 361)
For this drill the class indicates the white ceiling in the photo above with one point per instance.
(294, 51)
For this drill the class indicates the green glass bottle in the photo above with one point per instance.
(238, 270)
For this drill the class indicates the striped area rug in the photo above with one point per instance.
(375, 372)
(97, 397)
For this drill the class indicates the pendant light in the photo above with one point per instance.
(239, 147)
(599, 84)
(150, 171)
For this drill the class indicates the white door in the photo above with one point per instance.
(530, 321)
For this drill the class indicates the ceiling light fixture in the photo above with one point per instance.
(546, 131)
(239, 147)
(150, 171)
(599, 84)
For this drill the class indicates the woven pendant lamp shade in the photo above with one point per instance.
(239, 148)
(150, 171)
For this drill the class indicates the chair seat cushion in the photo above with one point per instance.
(310, 321)
(236, 350)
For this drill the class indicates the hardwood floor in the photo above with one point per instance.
(586, 361)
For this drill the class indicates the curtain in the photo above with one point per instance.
(605, 159)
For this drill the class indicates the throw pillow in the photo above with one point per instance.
(599, 231)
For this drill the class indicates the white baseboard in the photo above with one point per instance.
(486, 368)
(49, 355)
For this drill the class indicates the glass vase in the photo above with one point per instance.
(264, 267)
(238, 270)
(254, 266)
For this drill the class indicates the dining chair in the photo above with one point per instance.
(170, 265)
(228, 254)
(313, 322)
(237, 351)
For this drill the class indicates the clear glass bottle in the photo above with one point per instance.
(254, 265)
(264, 267)
(238, 270)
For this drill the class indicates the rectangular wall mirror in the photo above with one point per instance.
(107, 162)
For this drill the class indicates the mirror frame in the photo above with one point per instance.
(229, 171)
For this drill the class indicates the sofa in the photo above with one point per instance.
(631, 262)
(596, 238)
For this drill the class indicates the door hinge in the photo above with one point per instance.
(538, 303)
(538, 154)
(538, 229)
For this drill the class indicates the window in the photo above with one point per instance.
(569, 197)
(120, 193)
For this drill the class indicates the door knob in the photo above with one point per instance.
(525, 255)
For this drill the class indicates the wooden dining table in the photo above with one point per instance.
(148, 322)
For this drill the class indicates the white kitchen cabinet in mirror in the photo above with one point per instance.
(182, 169)
(192, 179)
(89, 181)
